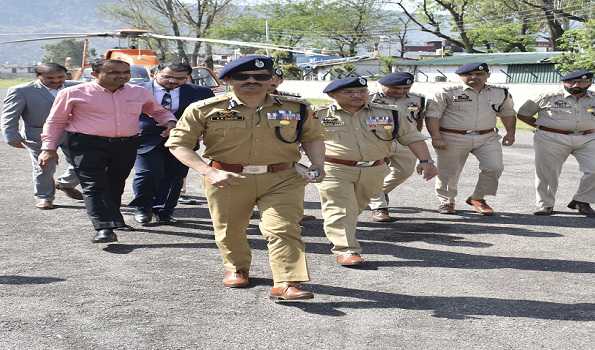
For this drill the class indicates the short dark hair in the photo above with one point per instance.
(176, 67)
(50, 68)
(98, 65)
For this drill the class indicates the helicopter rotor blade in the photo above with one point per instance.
(73, 36)
(226, 42)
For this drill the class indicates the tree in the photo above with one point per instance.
(580, 49)
(59, 51)
(176, 17)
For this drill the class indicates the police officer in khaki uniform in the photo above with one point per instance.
(462, 120)
(394, 91)
(565, 125)
(358, 136)
(252, 142)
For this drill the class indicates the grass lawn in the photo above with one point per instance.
(6, 83)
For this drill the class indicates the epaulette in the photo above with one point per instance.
(285, 93)
(317, 109)
(382, 106)
(285, 98)
(212, 100)
(454, 87)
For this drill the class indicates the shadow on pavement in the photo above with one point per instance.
(442, 307)
(11, 279)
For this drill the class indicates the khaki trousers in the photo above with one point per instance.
(401, 166)
(486, 148)
(280, 200)
(551, 151)
(344, 193)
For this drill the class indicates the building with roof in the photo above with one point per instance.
(505, 68)
(365, 66)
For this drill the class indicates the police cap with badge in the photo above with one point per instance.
(397, 79)
(351, 82)
(472, 67)
(278, 72)
(247, 63)
(577, 74)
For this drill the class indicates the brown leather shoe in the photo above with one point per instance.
(480, 206)
(582, 207)
(44, 204)
(545, 211)
(307, 218)
(446, 208)
(237, 279)
(290, 292)
(349, 259)
(381, 215)
(70, 192)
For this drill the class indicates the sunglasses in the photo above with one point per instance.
(257, 77)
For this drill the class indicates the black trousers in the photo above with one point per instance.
(102, 165)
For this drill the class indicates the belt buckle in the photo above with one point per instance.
(471, 132)
(365, 164)
(576, 132)
(255, 169)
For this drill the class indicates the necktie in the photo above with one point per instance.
(166, 100)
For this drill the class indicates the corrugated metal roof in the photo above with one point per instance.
(492, 59)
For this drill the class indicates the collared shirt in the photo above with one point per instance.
(54, 92)
(93, 110)
(561, 110)
(159, 91)
(463, 108)
(365, 135)
(237, 134)
(412, 106)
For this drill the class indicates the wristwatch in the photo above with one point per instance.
(428, 161)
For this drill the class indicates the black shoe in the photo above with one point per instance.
(545, 211)
(188, 201)
(105, 235)
(142, 217)
(125, 228)
(582, 207)
(166, 220)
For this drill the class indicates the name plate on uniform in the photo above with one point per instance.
(561, 104)
(226, 115)
(332, 121)
(462, 98)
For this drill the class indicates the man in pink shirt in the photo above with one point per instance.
(102, 120)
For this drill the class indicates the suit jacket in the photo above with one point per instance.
(150, 131)
(31, 102)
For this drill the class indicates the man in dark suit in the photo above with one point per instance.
(159, 175)
(31, 103)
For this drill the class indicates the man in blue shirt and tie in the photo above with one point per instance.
(159, 175)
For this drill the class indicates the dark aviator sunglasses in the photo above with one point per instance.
(257, 77)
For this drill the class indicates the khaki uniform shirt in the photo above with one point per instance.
(365, 135)
(236, 134)
(462, 108)
(412, 106)
(561, 110)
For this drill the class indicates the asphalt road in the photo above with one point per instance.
(513, 281)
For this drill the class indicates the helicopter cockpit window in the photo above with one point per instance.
(203, 77)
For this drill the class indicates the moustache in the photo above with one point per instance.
(576, 90)
(251, 84)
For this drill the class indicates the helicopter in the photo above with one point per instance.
(144, 61)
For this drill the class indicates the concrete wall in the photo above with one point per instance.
(519, 92)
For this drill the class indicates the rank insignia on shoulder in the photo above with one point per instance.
(227, 116)
(591, 110)
(283, 116)
(412, 107)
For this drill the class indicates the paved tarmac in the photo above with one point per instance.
(512, 281)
